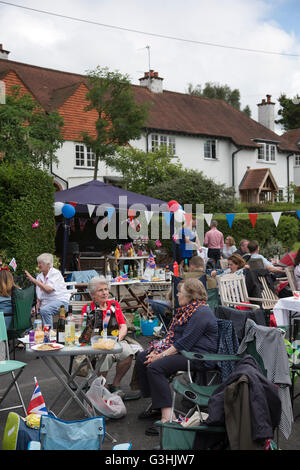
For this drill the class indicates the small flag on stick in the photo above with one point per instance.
(37, 404)
(13, 264)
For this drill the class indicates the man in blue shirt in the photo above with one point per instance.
(253, 248)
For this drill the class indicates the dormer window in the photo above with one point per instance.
(267, 152)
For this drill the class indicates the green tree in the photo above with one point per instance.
(141, 170)
(192, 187)
(120, 119)
(27, 133)
(289, 112)
(220, 92)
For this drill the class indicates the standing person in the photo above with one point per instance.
(51, 289)
(194, 328)
(229, 247)
(214, 240)
(6, 285)
(297, 269)
(189, 242)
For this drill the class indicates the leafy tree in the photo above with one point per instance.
(141, 170)
(27, 133)
(120, 119)
(192, 187)
(220, 92)
(289, 112)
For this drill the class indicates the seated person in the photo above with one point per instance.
(196, 270)
(51, 289)
(243, 250)
(253, 247)
(236, 265)
(194, 328)
(229, 247)
(6, 285)
(297, 269)
(99, 290)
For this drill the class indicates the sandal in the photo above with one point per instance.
(149, 413)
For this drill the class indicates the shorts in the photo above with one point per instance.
(111, 358)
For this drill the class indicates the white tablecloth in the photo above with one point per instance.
(284, 307)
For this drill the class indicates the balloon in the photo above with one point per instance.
(68, 211)
(58, 207)
(173, 206)
(179, 215)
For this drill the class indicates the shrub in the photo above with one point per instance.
(26, 196)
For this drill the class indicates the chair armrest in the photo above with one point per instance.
(244, 304)
(263, 299)
(124, 446)
(34, 445)
(192, 356)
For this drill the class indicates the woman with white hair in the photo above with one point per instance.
(51, 289)
(99, 291)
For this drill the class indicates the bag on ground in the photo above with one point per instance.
(108, 404)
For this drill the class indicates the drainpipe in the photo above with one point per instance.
(232, 164)
(288, 173)
(147, 143)
(52, 173)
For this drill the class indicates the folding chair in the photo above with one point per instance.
(159, 308)
(233, 291)
(22, 303)
(86, 434)
(8, 366)
(289, 271)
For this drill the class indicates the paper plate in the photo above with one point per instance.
(47, 347)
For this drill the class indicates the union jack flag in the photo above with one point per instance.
(13, 264)
(37, 404)
(151, 261)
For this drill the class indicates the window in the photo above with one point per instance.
(159, 140)
(210, 148)
(267, 152)
(84, 157)
(297, 160)
(279, 196)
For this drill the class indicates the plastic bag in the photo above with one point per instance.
(108, 404)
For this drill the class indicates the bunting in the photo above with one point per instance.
(276, 216)
(208, 218)
(253, 218)
(148, 216)
(188, 218)
(167, 216)
(91, 208)
(230, 219)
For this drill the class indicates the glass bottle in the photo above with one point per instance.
(60, 329)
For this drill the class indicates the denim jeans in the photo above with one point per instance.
(51, 308)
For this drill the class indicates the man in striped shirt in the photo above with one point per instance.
(214, 240)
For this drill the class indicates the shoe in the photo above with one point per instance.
(149, 414)
(152, 431)
(116, 389)
(135, 395)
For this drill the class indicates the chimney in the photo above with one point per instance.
(152, 81)
(266, 113)
(3, 53)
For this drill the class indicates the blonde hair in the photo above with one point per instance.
(231, 240)
(193, 289)
(6, 283)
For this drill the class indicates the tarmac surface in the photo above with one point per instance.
(127, 429)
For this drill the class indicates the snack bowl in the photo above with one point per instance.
(98, 342)
(296, 294)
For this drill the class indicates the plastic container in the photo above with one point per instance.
(98, 342)
(148, 326)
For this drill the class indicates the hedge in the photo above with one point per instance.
(26, 196)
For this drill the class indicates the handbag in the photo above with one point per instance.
(108, 404)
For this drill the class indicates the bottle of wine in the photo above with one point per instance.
(60, 329)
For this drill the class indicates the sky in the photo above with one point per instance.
(232, 26)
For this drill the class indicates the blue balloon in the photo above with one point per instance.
(68, 211)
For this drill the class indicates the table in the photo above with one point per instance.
(286, 309)
(139, 259)
(52, 360)
(146, 285)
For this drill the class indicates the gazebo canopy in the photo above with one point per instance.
(96, 193)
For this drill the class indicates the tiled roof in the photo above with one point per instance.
(292, 137)
(169, 111)
(254, 178)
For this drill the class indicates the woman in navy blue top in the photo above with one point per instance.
(194, 328)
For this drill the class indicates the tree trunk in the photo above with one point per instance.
(96, 167)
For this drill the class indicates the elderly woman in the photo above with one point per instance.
(194, 328)
(6, 285)
(51, 289)
(99, 291)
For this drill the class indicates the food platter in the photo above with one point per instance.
(47, 347)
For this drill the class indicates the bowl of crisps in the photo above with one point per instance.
(98, 342)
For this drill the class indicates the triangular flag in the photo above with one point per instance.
(91, 208)
(188, 218)
(230, 219)
(253, 218)
(36, 224)
(208, 218)
(37, 404)
(13, 264)
(298, 214)
(167, 216)
(148, 216)
(110, 211)
(74, 204)
(276, 216)
(131, 212)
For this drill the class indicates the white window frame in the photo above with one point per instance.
(159, 140)
(267, 152)
(210, 149)
(84, 157)
(297, 160)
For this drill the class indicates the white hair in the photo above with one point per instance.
(46, 258)
(95, 282)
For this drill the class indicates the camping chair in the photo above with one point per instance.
(159, 308)
(86, 434)
(8, 366)
(289, 271)
(17, 434)
(255, 263)
(22, 303)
